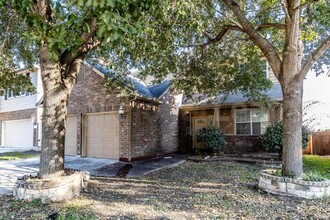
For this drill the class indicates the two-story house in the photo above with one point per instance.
(19, 115)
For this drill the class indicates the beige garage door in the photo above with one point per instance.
(101, 135)
(71, 136)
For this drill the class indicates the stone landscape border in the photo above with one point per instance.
(63, 188)
(293, 187)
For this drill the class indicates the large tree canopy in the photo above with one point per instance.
(194, 37)
(208, 46)
(204, 44)
(58, 35)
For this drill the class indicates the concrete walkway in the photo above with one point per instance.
(10, 170)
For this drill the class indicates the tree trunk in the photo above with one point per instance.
(53, 121)
(292, 122)
(57, 81)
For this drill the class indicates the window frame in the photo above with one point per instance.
(250, 120)
(266, 71)
(9, 94)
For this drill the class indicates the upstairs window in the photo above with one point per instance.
(264, 65)
(10, 93)
(265, 68)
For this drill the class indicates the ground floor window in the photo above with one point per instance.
(251, 121)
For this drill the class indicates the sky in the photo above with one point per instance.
(317, 88)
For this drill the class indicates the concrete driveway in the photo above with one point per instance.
(10, 170)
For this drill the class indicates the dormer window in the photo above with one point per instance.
(264, 64)
(265, 68)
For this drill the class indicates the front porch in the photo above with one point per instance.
(242, 125)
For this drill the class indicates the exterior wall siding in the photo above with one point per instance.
(272, 76)
(21, 102)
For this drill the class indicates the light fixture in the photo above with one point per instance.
(33, 119)
(121, 110)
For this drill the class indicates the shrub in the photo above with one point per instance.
(272, 138)
(212, 138)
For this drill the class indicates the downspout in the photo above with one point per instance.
(130, 131)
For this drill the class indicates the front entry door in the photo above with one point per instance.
(198, 123)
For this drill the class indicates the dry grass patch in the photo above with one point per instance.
(220, 190)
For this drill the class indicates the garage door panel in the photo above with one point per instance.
(18, 133)
(102, 135)
(71, 135)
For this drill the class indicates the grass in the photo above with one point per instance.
(315, 168)
(317, 165)
(16, 155)
(216, 190)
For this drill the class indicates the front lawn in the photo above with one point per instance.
(18, 155)
(217, 190)
(317, 164)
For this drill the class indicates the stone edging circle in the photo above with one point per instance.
(293, 187)
(51, 190)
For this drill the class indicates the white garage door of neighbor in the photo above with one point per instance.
(101, 132)
(71, 136)
(18, 133)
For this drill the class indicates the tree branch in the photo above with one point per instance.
(88, 43)
(265, 46)
(220, 35)
(44, 9)
(271, 25)
(314, 56)
(284, 4)
(307, 3)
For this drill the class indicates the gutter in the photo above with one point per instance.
(190, 106)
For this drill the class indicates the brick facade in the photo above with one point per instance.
(90, 96)
(147, 128)
(19, 115)
(242, 144)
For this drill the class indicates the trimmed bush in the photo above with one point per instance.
(272, 138)
(211, 137)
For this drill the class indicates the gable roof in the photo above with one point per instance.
(152, 92)
(157, 90)
(274, 93)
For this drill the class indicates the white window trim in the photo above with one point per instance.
(16, 96)
(251, 122)
(267, 69)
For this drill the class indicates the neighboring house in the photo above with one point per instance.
(19, 116)
(100, 123)
(242, 122)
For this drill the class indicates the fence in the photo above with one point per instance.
(319, 143)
